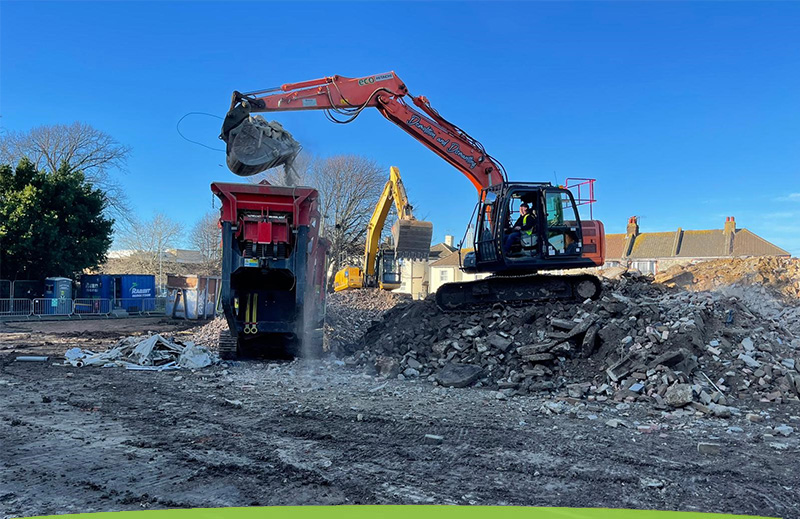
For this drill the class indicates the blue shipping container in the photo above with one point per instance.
(95, 294)
(96, 286)
(135, 292)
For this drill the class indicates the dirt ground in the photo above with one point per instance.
(259, 433)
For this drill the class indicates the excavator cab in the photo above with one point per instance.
(554, 242)
(388, 270)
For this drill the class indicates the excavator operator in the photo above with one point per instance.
(523, 225)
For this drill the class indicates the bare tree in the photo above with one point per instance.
(147, 244)
(80, 146)
(349, 186)
(206, 237)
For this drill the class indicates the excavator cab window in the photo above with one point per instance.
(388, 270)
(528, 243)
(563, 233)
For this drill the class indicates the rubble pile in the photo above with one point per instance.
(208, 335)
(639, 341)
(780, 275)
(153, 353)
(350, 313)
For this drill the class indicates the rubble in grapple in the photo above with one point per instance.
(640, 341)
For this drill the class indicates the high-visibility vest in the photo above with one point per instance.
(524, 222)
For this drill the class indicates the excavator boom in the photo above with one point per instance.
(343, 99)
(560, 240)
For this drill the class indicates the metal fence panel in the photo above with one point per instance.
(89, 306)
(52, 306)
(5, 289)
(15, 307)
(139, 305)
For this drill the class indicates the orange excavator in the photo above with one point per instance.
(555, 239)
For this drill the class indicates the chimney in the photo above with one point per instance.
(633, 226)
(630, 234)
(448, 240)
(729, 231)
(730, 225)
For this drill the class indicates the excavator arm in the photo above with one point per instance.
(343, 99)
(412, 237)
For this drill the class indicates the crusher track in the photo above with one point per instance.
(516, 290)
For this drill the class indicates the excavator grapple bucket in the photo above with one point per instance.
(256, 145)
(412, 238)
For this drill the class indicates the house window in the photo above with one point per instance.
(443, 275)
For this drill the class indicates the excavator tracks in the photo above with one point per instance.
(228, 346)
(519, 290)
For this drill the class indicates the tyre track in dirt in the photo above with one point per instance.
(114, 440)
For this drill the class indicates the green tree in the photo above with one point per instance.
(51, 224)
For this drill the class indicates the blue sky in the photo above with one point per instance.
(684, 112)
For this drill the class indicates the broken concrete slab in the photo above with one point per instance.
(433, 439)
(708, 448)
(750, 361)
(458, 375)
(678, 395)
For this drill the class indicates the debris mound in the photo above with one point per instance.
(779, 275)
(153, 353)
(350, 313)
(208, 334)
(640, 341)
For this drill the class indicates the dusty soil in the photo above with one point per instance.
(95, 439)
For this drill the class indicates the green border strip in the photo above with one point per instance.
(401, 512)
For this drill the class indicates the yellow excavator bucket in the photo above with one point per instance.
(412, 238)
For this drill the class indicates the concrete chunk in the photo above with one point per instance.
(538, 357)
(458, 375)
(708, 448)
(563, 324)
(669, 359)
(533, 349)
(679, 395)
(750, 361)
(433, 439)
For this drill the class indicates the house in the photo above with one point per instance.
(656, 251)
(415, 275)
(448, 269)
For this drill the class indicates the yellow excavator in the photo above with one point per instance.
(411, 239)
